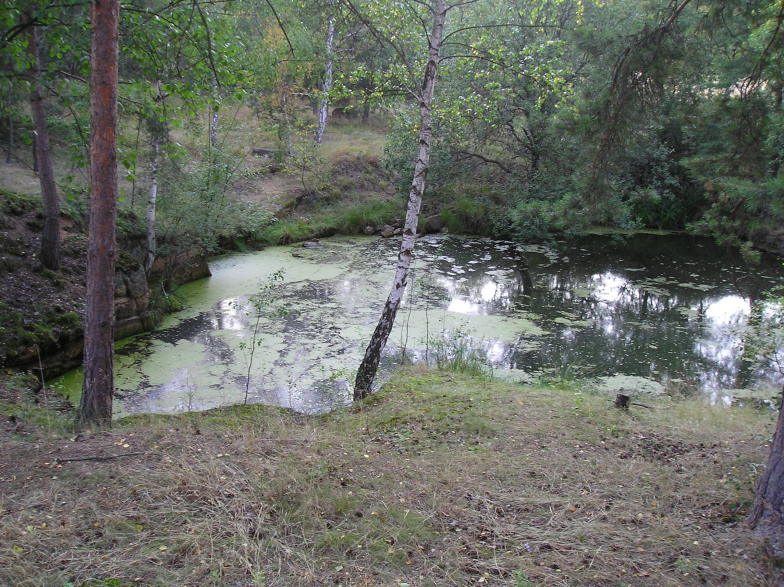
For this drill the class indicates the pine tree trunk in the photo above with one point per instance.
(367, 369)
(767, 513)
(95, 408)
(50, 237)
(35, 153)
(327, 88)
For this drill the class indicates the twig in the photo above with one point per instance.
(642, 405)
(97, 457)
(638, 404)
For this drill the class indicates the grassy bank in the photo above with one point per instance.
(440, 479)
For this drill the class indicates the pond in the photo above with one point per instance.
(644, 313)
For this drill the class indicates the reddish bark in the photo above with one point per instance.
(50, 236)
(95, 408)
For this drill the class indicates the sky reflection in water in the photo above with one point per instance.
(668, 309)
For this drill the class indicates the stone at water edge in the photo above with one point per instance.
(630, 385)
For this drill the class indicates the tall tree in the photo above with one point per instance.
(767, 513)
(367, 369)
(157, 134)
(326, 87)
(765, 344)
(50, 237)
(95, 407)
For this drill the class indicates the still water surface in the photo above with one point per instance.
(667, 309)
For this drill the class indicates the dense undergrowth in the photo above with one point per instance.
(439, 479)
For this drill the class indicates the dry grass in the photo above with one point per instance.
(438, 480)
(18, 178)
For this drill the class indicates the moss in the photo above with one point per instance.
(17, 204)
(18, 333)
(126, 262)
(33, 412)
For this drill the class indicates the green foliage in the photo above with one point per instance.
(195, 208)
(340, 217)
(353, 219)
(312, 170)
(16, 204)
(743, 210)
(263, 305)
(457, 351)
(467, 215)
(539, 219)
(282, 232)
(764, 334)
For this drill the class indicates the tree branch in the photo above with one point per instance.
(484, 159)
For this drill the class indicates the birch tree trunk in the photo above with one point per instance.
(157, 132)
(367, 369)
(95, 407)
(50, 236)
(327, 88)
(152, 204)
(214, 128)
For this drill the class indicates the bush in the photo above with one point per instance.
(283, 232)
(376, 213)
(743, 210)
(457, 352)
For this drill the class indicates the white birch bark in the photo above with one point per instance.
(327, 88)
(152, 202)
(152, 199)
(214, 129)
(367, 369)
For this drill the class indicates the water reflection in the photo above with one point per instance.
(668, 309)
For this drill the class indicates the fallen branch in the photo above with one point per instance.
(623, 401)
(643, 405)
(97, 457)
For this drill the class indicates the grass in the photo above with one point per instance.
(348, 138)
(346, 216)
(439, 479)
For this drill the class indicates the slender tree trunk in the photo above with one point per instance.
(157, 132)
(327, 88)
(767, 513)
(366, 110)
(136, 159)
(95, 408)
(214, 129)
(367, 369)
(215, 120)
(35, 152)
(152, 204)
(10, 151)
(50, 237)
(284, 126)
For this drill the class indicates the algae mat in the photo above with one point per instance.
(656, 308)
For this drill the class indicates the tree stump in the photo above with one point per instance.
(622, 401)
